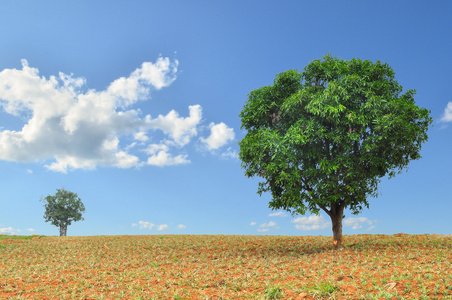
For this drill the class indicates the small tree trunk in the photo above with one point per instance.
(63, 230)
(337, 213)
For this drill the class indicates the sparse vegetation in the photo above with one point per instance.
(226, 267)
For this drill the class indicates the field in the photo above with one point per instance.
(226, 267)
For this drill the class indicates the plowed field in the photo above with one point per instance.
(227, 267)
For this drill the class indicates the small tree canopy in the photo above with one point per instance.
(321, 139)
(62, 209)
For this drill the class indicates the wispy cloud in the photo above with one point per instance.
(8, 230)
(149, 225)
(252, 223)
(357, 223)
(73, 127)
(311, 223)
(230, 153)
(181, 226)
(278, 214)
(265, 226)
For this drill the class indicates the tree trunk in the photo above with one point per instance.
(336, 214)
(63, 230)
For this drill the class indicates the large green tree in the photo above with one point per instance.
(322, 139)
(62, 209)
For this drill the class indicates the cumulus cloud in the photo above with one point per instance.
(141, 136)
(149, 225)
(160, 156)
(72, 127)
(7, 230)
(180, 129)
(162, 227)
(269, 224)
(447, 116)
(357, 223)
(311, 223)
(220, 135)
(144, 224)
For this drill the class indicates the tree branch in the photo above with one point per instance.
(324, 209)
(327, 149)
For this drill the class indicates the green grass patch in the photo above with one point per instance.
(274, 293)
(18, 237)
(324, 289)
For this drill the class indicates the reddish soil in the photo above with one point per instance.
(227, 267)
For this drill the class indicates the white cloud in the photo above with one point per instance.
(447, 116)
(162, 227)
(144, 224)
(278, 214)
(180, 129)
(252, 223)
(311, 223)
(181, 226)
(70, 127)
(230, 153)
(159, 156)
(30, 229)
(141, 136)
(220, 135)
(29, 171)
(264, 227)
(356, 223)
(269, 224)
(149, 225)
(8, 230)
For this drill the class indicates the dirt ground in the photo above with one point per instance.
(227, 267)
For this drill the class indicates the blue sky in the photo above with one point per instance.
(134, 106)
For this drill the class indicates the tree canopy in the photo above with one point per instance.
(322, 139)
(62, 209)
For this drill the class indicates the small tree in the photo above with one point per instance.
(321, 139)
(62, 209)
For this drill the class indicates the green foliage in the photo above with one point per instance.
(274, 293)
(324, 137)
(62, 209)
(325, 289)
